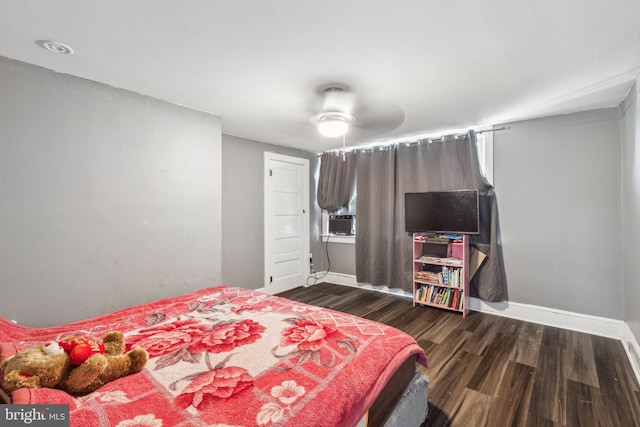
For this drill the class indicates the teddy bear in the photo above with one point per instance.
(75, 365)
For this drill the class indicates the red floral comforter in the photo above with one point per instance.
(231, 357)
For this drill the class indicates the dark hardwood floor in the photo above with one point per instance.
(487, 370)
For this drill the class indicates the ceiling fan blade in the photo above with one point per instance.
(376, 117)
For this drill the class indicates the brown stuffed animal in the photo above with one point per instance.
(51, 366)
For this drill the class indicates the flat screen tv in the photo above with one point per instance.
(442, 211)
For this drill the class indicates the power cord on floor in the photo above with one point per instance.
(313, 278)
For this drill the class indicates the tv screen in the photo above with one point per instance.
(442, 211)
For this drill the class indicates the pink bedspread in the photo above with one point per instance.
(230, 357)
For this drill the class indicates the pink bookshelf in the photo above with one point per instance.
(441, 271)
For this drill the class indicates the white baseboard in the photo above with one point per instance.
(595, 325)
(350, 280)
(632, 348)
(338, 278)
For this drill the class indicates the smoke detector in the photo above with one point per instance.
(55, 47)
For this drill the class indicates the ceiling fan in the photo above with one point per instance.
(335, 118)
(333, 111)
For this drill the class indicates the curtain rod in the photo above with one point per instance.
(415, 141)
(454, 135)
(492, 130)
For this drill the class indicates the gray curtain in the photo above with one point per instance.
(383, 248)
(337, 180)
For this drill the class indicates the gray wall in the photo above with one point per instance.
(631, 209)
(108, 198)
(342, 257)
(557, 182)
(243, 210)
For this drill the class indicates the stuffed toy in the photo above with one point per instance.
(75, 365)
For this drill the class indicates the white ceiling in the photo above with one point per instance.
(416, 67)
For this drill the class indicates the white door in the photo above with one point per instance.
(286, 210)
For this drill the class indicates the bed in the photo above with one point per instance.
(231, 356)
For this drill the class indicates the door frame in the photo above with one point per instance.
(268, 250)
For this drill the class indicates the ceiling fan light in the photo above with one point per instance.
(333, 126)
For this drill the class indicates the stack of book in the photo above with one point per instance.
(448, 297)
(449, 276)
(437, 260)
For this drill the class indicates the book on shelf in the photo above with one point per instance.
(450, 297)
(427, 258)
(429, 277)
(452, 276)
(446, 260)
(438, 238)
(453, 237)
(447, 276)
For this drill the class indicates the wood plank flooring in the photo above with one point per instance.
(487, 370)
